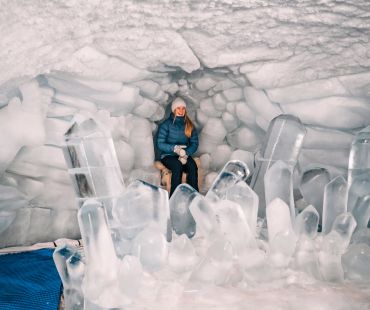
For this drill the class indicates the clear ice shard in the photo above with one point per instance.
(283, 141)
(92, 163)
(360, 187)
(335, 202)
(244, 196)
(306, 222)
(204, 216)
(279, 184)
(312, 187)
(233, 172)
(278, 218)
(233, 226)
(140, 205)
(305, 256)
(361, 212)
(359, 157)
(181, 219)
(282, 238)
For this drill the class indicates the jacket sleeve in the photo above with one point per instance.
(193, 143)
(162, 139)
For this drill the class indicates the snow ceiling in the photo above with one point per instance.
(239, 63)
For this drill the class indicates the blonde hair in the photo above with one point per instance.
(189, 126)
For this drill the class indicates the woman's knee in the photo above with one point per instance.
(176, 168)
(192, 166)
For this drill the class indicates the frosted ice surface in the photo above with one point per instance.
(279, 184)
(243, 138)
(220, 156)
(261, 103)
(356, 262)
(282, 248)
(233, 172)
(283, 141)
(141, 141)
(338, 112)
(150, 246)
(216, 265)
(182, 256)
(181, 219)
(131, 277)
(306, 258)
(206, 105)
(335, 202)
(312, 187)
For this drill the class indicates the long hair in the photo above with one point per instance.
(189, 126)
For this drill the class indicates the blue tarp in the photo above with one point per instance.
(29, 280)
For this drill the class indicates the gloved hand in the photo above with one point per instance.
(179, 150)
(183, 159)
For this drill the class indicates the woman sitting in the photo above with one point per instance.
(177, 141)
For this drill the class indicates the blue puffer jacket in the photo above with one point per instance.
(172, 132)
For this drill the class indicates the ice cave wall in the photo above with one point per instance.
(239, 64)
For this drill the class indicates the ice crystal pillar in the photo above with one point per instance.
(181, 219)
(334, 245)
(359, 168)
(312, 187)
(335, 202)
(140, 205)
(279, 184)
(71, 270)
(359, 157)
(284, 141)
(92, 163)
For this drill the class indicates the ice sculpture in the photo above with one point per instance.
(283, 142)
(132, 261)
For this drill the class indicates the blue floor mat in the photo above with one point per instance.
(29, 280)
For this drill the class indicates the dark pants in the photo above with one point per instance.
(177, 168)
